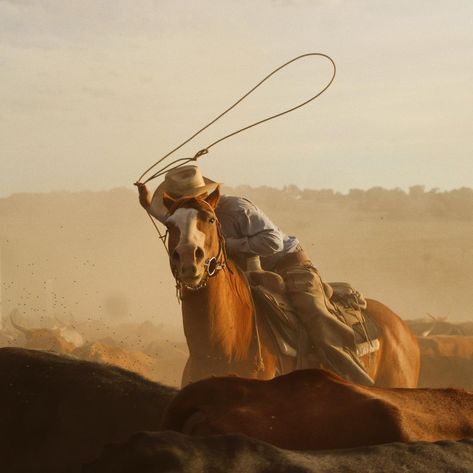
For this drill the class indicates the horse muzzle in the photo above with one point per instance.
(187, 264)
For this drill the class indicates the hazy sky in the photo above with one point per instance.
(94, 91)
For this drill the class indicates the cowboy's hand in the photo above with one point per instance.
(143, 194)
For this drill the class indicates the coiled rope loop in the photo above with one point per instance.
(182, 161)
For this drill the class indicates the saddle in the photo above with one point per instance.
(269, 294)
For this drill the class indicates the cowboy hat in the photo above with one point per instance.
(184, 181)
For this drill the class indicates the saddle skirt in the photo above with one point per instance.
(269, 293)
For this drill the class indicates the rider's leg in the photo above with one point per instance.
(331, 339)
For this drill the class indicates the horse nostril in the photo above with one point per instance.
(199, 254)
(175, 255)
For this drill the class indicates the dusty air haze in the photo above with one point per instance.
(374, 177)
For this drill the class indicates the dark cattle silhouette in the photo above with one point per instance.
(57, 412)
(167, 452)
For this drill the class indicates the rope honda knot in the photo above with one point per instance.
(199, 154)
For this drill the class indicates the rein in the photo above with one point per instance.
(212, 265)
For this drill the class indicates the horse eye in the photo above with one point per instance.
(212, 220)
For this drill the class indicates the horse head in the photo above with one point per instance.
(196, 245)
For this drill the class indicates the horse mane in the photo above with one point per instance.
(235, 333)
(242, 291)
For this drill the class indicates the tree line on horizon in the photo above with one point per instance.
(415, 203)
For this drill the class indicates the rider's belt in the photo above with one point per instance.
(297, 258)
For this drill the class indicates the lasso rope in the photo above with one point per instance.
(182, 161)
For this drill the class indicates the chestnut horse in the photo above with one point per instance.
(221, 323)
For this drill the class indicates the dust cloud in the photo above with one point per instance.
(96, 255)
(94, 258)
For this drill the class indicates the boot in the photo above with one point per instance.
(346, 365)
(327, 341)
(334, 342)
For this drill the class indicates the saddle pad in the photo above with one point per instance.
(365, 330)
(360, 334)
(350, 306)
(366, 336)
(279, 316)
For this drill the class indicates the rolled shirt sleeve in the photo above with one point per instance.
(251, 231)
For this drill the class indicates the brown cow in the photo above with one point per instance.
(135, 361)
(436, 326)
(57, 339)
(439, 326)
(315, 409)
(446, 361)
(7, 339)
(57, 412)
(67, 340)
(171, 452)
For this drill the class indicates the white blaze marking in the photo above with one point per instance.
(186, 221)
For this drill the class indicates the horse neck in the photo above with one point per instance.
(218, 319)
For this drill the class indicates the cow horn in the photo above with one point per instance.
(63, 324)
(59, 321)
(24, 330)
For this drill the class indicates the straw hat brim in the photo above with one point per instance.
(159, 210)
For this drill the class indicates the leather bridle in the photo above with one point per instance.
(212, 265)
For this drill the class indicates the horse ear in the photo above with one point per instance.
(213, 198)
(168, 201)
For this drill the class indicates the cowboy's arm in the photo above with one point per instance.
(145, 200)
(143, 195)
(259, 236)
